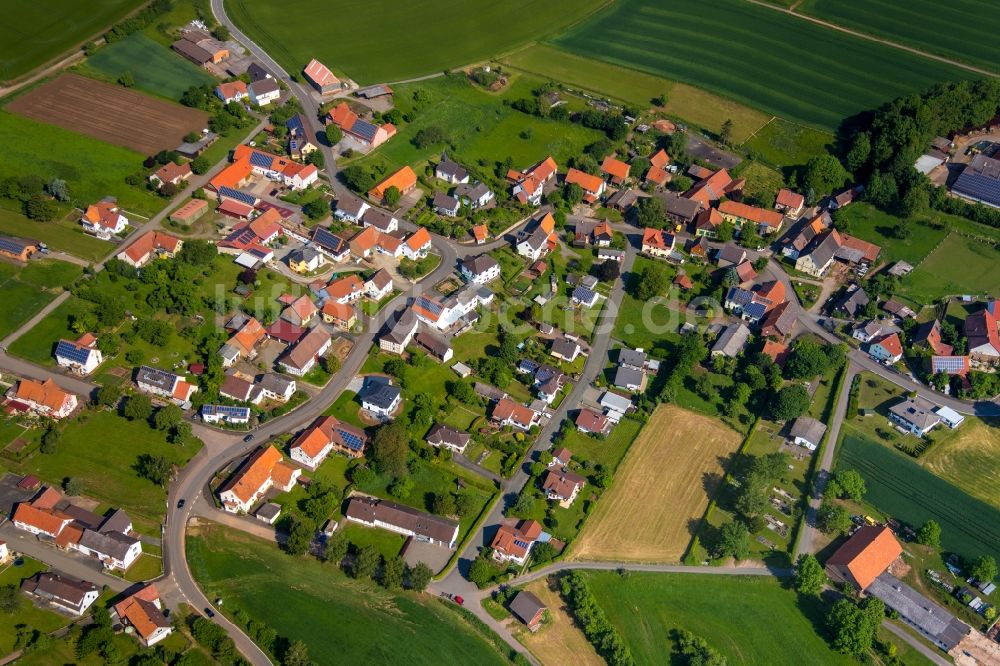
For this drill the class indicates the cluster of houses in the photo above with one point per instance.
(465, 193)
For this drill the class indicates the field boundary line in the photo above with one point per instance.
(873, 38)
(754, 133)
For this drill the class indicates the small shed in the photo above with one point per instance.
(268, 513)
(529, 609)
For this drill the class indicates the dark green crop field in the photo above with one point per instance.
(33, 32)
(905, 490)
(963, 30)
(388, 40)
(154, 67)
(767, 59)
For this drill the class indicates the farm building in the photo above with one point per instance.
(402, 519)
(320, 76)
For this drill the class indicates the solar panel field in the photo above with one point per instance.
(961, 29)
(769, 60)
(903, 489)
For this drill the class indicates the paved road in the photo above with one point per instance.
(71, 564)
(930, 653)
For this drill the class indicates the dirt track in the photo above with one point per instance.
(663, 485)
(110, 113)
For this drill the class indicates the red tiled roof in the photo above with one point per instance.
(789, 199)
(45, 393)
(507, 409)
(418, 239)
(891, 344)
(654, 238)
(320, 74)
(345, 286)
(615, 168)
(588, 183)
(757, 215)
(660, 159)
(867, 554)
(404, 180)
(253, 474)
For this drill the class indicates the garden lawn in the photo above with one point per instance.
(608, 451)
(27, 290)
(824, 75)
(63, 235)
(688, 103)
(871, 224)
(341, 620)
(960, 29)
(411, 39)
(39, 345)
(92, 169)
(903, 489)
(959, 265)
(27, 613)
(782, 143)
(32, 33)
(100, 449)
(773, 625)
(388, 543)
(155, 68)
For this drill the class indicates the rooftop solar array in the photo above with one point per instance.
(430, 305)
(949, 364)
(260, 160)
(12, 245)
(325, 238)
(351, 440)
(739, 296)
(521, 544)
(364, 129)
(72, 351)
(584, 294)
(231, 193)
(226, 410)
(755, 310)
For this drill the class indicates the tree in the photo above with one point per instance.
(524, 505)
(10, 600)
(915, 201)
(366, 562)
(167, 417)
(126, 80)
(138, 407)
(73, 486)
(419, 577)
(41, 208)
(429, 136)
(652, 281)
(180, 433)
(734, 540)
(692, 650)
(847, 484)
(109, 395)
(297, 653)
(316, 159)
(984, 568)
(322, 501)
(443, 504)
(401, 488)
(726, 132)
(854, 626)
(807, 360)
(823, 174)
(789, 403)
(858, 154)
(317, 208)
(390, 449)
(393, 571)
(391, 196)
(58, 189)
(50, 438)
(929, 534)
(483, 571)
(300, 535)
(154, 468)
(336, 548)
(749, 236)
(649, 212)
(333, 134)
(607, 271)
(810, 578)
(833, 519)
(200, 165)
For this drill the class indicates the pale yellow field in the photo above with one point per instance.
(968, 458)
(660, 491)
(560, 642)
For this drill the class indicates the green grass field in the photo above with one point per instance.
(404, 39)
(340, 619)
(608, 451)
(688, 103)
(32, 33)
(749, 619)
(960, 29)
(63, 235)
(27, 290)
(782, 143)
(903, 489)
(26, 612)
(959, 265)
(875, 226)
(771, 61)
(154, 67)
(92, 169)
(101, 452)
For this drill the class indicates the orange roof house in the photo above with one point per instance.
(713, 188)
(418, 242)
(513, 542)
(480, 232)
(142, 611)
(45, 521)
(339, 314)
(777, 351)
(139, 252)
(738, 213)
(173, 173)
(789, 201)
(773, 291)
(46, 397)
(659, 159)
(364, 242)
(403, 180)
(235, 175)
(616, 169)
(346, 289)
(864, 557)
(232, 91)
(261, 470)
(592, 186)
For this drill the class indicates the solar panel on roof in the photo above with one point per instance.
(351, 440)
(243, 197)
(949, 364)
(364, 129)
(429, 305)
(12, 245)
(978, 186)
(521, 544)
(755, 310)
(73, 352)
(260, 160)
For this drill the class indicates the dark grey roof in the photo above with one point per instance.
(351, 205)
(808, 429)
(274, 383)
(377, 218)
(526, 606)
(632, 358)
(565, 347)
(852, 302)
(731, 253)
(269, 511)
(626, 377)
(622, 199)
(14, 245)
(930, 618)
(192, 51)
(451, 169)
(264, 86)
(112, 544)
(54, 585)
(471, 192)
(256, 72)
(161, 379)
(679, 207)
(117, 521)
(380, 393)
(479, 264)
(733, 340)
(369, 509)
(402, 327)
(916, 411)
(444, 201)
(824, 248)
(433, 343)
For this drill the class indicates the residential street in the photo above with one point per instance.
(72, 564)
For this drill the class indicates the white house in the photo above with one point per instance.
(535, 245)
(914, 415)
(400, 334)
(480, 270)
(807, 432)
(513, 543)
(71, 595)
(164, 384)
(474, 196)
(380, 398)
(264, 92)
(451, 172)
(350, 208)
(261, 471)
(417, 245)
(225, 414)
(104, 219)
(379, 285)
(449, 438)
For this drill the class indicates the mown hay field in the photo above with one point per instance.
(660, 491)
(766, 59)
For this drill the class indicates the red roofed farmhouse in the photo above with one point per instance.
(864, 557)
(322, 78)
(403, 180)
(592, 186)
(263, 470)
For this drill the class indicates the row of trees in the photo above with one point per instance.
(592, 620)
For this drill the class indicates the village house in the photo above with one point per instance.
(481, 269)
(264, 92)
(248, 161)
(864, 557)
(233, 91)
(228, 414)
(445, 436)
(928, 335)
(506, 412)
(320, 76)
(17, 249)
(417, 245)
(299, 359)
(236, 388)
(172, 173)
(657, 174)
(657, 243)
(369, 135)
(615, 405)
(585, 296)
(622, 200)
(818, 256)
(475, 196)
(45, 398)
(80, 356)
(807, 432)
(143, 612)
(165, 384)
(592, 186)
(350, 208)
(300, 311)
(247, 334)
(529, 186)
(306, 260)
(363, 243)
(562, 486)
(444, 204)
(886, 349)
(714, 186)
(731, 341)
(342, 317)
(592, 423)
(914, 415)
(789, 203)
(379, 397)
(104, 219)
(868, 331)
(403, 180)
(597, 234)
(263, 470)
(951, 365)
(565, 349)
(513, 543)
(400, 333)
(616, 171)
(423, 527)
(983, 336)
(458, 309)
(150, 245)
(345, 290)
(378, 286)
(680, 210)
(67, 594)
(326, 435)
(779, 321)
(730, 255)
(451, 172)
(767, 221)
(852, 303)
